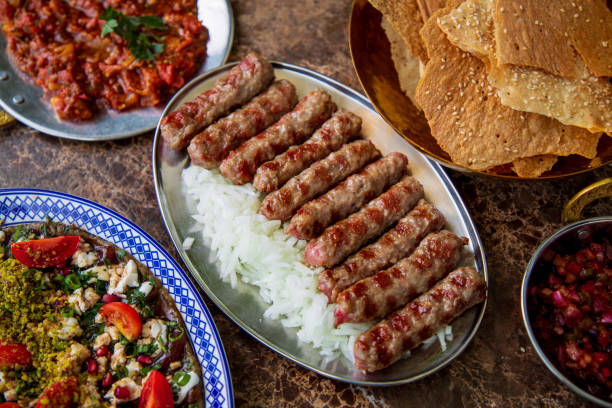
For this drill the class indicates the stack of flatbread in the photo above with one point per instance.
(517, 82)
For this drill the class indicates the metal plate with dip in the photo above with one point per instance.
(23, 100)
(243, 304)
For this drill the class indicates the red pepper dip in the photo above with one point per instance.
(58, 44)
(570, 307)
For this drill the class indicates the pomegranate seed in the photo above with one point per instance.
(143, 359)
(102, 351)
(107, 380)
(110, 298)
(92, 366)
(599, 357)
(122, 392)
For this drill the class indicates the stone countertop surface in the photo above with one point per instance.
(499, 368)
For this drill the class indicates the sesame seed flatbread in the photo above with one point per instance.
(533, 166)
(584, 100)
(428, 7)
(544, 34)
(406, 65)
(405, 17)
(470, 123)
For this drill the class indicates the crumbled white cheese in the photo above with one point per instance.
(98, 319)
(83, 257)
(103, 339)
(75, 356)
(133, 368)
(122, 277)
(127, 383)
(113, 332)
(68, 328)
(118, 358)
(154, 328)
(81, 301)
(145, 288)
(99, 272)
(102, 363)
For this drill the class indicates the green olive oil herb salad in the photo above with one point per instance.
(82, 324)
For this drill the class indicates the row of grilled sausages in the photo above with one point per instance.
(338, 192)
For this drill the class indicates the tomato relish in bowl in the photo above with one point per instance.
(91, 55)
(82, 324)
(569, 303)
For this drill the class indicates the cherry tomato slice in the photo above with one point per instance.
(41, 253)
(156, 392)
(59, 395)
(9, 405)
(14, 356)
(125, 317)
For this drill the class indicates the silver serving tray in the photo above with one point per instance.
(25, 101)
(243, 304)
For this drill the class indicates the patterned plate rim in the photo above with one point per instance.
(212, 328)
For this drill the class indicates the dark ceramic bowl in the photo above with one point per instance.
(568, 235)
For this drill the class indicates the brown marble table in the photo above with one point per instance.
(499, 368)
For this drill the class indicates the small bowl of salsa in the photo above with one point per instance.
(566, 303)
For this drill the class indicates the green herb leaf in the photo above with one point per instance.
(72, 282)
(145, 370)
(142, 44)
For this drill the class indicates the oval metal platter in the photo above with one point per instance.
(23, 100)
(18, 206)
(243, 304)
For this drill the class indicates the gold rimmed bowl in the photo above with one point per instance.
(371, 55)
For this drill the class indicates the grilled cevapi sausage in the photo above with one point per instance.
(347, 197)
(293, 128)
(341, 128)
(317, 179)
(385, 291)
(394, 245)
(209, 147)
(241, 83)
(386, 342)
(348, 235)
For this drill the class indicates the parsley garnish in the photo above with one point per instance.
(139, 299)
(147, 349)
(143, 45)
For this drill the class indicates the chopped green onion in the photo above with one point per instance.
(181, 378)
(121, 372)
(178, 336)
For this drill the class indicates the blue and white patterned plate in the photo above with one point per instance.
(19, 206)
